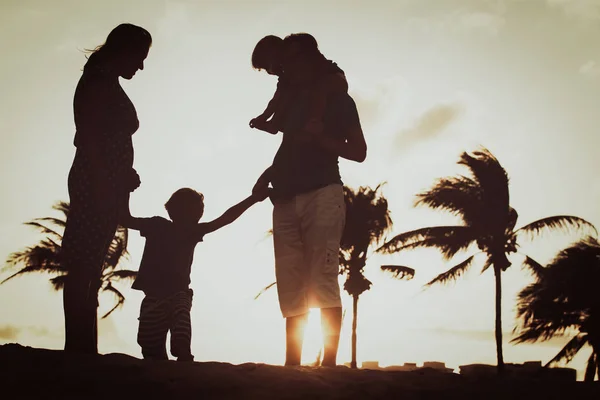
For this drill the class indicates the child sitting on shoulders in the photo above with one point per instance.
(330, 79)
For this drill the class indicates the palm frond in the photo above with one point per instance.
(118, 294)
(449, 239)
(264, 290)
(44, 229)
(488, 173)
(565, 223)
(453, 273)
(63, 207)
(368, 218)
(570, 350)
(122, 274)
(117, 249)
(399, 272)
(54, 221)
(26, 270)
(535, 267)
(58, 282)
(486, 264)
(458, 195)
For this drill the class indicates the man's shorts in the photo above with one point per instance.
(307, 231)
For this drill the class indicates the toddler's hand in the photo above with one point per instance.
(257, 121)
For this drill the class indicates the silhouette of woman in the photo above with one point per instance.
(101, 177)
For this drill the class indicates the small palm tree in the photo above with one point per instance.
(482, 203)
(368, 220)
(44, 257)
(564, 298)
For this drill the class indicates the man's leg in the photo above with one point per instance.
(294, 335)
(323, 221)
(331, 325)
(290, 272)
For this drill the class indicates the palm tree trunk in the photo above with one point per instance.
(590, 370)
(354, 320)
(499, 355)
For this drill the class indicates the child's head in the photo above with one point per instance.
(185, 205)
(267, 55)
(300, 52)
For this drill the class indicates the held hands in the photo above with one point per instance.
(132, 180)
(261, 194)
(261, 189)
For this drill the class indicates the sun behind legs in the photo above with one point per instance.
(294, 329)
(331, 325)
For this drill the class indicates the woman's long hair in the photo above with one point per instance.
(125, 38)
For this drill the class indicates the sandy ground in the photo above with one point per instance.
(28, 373)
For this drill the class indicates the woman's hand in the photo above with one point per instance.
(132, 180)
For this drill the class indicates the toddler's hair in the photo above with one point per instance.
(265, 51)
(185, 200)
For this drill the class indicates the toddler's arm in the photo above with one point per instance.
(271, 108)
(231, 214)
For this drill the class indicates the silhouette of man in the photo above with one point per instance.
(308, 199)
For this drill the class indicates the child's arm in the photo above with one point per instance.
(271, 107)
(231, 214)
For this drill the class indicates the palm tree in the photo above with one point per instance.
(481, 201)
(565, 298)
(44, 257)
(367, 221)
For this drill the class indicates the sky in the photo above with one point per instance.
(431, 79)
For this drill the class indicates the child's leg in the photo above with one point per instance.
(181, 327)
(153, 328)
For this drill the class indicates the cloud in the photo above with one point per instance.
(586, 10)
(10, 332)
(429, 125)
(489, 20)
(590, 69)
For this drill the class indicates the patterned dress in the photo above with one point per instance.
(103, 109)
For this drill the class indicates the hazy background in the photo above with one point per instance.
(431, 79)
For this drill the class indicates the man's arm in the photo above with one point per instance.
(353, 146)
(231, 214)
(262, 183)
